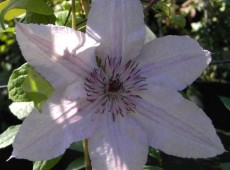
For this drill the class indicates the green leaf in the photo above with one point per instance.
(10, 30)
(178, 20)
(77, 164)
(16, 93)
(148, 167)
(7, 137)
(62, 17)
(25, 85)
(36, 6)
(11, 14)
(226, 101)
(225, 166)
(35, 18)
(66, 5)
(35, 83)
(155, 154)
(77, 146)
(21, 109)
(46, 165)
(163, 8)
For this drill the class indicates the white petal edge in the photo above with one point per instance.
(46, 135)
(120, 27)
(173, 61)
(118, 144)
(149, 35)
(177, 126)
(56, 51)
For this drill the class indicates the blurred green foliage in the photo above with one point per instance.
(208, 21)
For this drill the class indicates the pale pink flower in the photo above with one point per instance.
(123, 104)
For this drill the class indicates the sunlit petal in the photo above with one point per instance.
(75, 91)
(118, 144)
(120, 26)
(125, 101)
(56, 51)
(48, 134)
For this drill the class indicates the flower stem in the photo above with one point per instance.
(85, 142)
(86, 153)
(85, 6)
(74, 20)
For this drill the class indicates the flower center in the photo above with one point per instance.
(115, 87)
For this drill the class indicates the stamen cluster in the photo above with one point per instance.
(115, 86)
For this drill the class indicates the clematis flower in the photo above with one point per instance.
(115, 90)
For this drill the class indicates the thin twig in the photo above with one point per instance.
(3, 86)
(149, 6)
(220, 61)
(79, 23)
(67, 18)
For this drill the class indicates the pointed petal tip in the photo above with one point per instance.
(216, 150)
(33, 157)
(208, 55)
(12, 156)
(213, 152)
(221, 150)
(185, 130)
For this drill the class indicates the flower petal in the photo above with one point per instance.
(46, 135)
(119, 26)
(149, 35)
(56, 51)
(173, 61)
(176, 125)
(118, 144)
(75, 91)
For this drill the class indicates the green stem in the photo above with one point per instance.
(88, 165)
(85, 142)
(85, 6)
(74, 20)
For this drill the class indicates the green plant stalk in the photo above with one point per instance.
(85, 6)
(88, 165)
(85, 142)
(74, 20)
